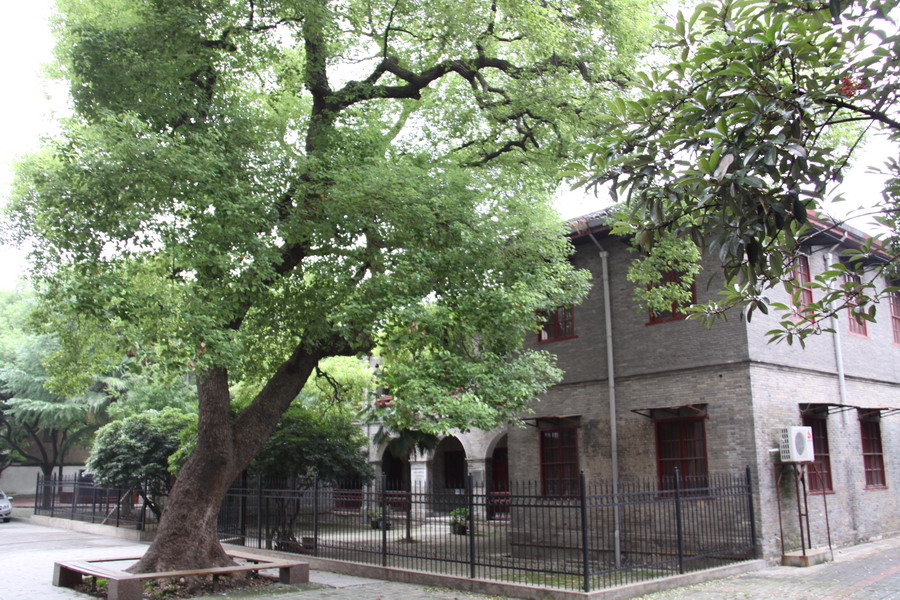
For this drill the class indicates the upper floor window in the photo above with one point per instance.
(676, 312)
(820, 470)
(803, 297)
(895, 316)
(873, 455)
(857, 324)
(557, 325)
(559, 461)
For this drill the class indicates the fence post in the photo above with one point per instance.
(242, 506)
(585, 549)
(53, 492)
(38, 492)
(470, 504)
(268, 526)
(316, 518)
(74, 496)
(144, 496)
(749, 480)
(118, 505)
(259, 510)
(384, 520)
(678, 522)
(93, 501)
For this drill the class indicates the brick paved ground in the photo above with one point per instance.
(869, 571)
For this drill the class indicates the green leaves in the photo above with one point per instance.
(736, 142)
(311, 442)
(242, 184)
(133, 453)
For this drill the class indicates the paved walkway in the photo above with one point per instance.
(869, 571)
(29, 551)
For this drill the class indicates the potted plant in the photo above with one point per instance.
(459, 521)
(380, 518)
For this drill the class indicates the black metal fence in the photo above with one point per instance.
(593, 539)
(78, 498)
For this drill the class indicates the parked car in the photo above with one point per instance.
(5, 507)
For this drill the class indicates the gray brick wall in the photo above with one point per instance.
(751, 389)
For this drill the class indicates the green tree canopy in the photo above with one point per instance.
(311, 442)
(249, 187)
(133, 453)
(742, 132)
(41, 427)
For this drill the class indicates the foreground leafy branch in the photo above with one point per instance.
(739, 139)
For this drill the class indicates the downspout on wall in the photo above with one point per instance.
(611, 379)
(838, 350)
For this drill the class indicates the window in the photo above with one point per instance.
(820, 470)
(895, 316)
(681, 443)
(857, 324)
(558, 325)
(676, 312)
(802, 277)
(559, 461)
(873, 456)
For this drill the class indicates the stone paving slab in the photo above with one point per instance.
(29, 551)
(867, 571)
(382, 590)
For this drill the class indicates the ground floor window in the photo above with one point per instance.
(559, 461)
(819, 480)
(681, 445)
(873, 455)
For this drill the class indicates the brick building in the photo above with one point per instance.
(674, 393)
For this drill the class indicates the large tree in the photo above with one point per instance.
(739, 134)
(249, 187)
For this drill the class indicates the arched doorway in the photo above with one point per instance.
(450, 471)
(395, 470)
(498, 481)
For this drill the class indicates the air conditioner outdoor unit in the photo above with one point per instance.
(797, 444)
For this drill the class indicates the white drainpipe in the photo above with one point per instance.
(611, 379)
(838, 351)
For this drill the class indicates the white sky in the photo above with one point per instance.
(30, 105)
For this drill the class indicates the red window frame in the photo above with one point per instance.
(895, 316)
(673, 314)
(857, 325)
(802, 276)
(557, 325)
(819, 480)
(872, 452)
(681, 442)
(559, 462)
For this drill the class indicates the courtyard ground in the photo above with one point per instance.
(868, 571)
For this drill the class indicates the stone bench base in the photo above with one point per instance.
(129, 586)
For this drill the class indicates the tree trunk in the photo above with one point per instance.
(187, 537)
(187, 531)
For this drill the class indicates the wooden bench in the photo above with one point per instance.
(129, 586)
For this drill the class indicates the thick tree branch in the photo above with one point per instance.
(359, 91)
(875, 115)
(255, 423)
